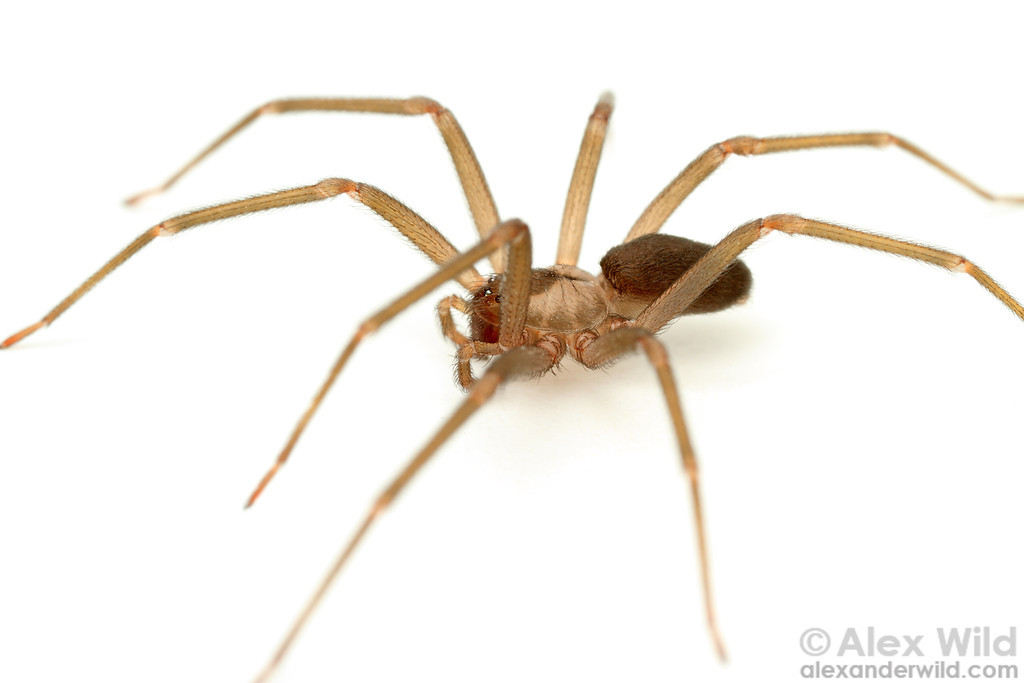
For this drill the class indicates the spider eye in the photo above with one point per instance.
(497, 299)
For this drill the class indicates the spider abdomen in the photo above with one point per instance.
(640, 271)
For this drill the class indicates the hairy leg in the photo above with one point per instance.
(513, 234)
(520, 362)
(582, 184)
(694, 281)
(425, 236)
(474, 185)
(658, 211)
(606, 349)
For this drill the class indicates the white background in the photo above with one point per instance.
(855, 421)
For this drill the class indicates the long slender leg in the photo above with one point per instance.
(509, 232)
(409, 223)
(607, 348)
(687, 288)
(582, 184)
(515, 292)
(658, 211)
(478, 195)
(523, 361)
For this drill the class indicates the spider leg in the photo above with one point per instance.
(689, 286)
(513, 233)
(467, 349)
(658, 211)
(466, 353)
(515, 292)
(606, 349)
(520, 362)
(582, 184)
(444, 315)
(478, 195)
(425, 236)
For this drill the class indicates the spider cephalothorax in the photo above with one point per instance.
(525, 319)
(562, 299)
(567, 307)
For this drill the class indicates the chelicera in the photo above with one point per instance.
(525, 320)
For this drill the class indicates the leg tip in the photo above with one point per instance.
(137, 199)
(18, 336)
(262, 485)
(723, 656)
(252, 497)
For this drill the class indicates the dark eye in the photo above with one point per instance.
(497, 299)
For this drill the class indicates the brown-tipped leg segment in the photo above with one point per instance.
(478, 194)
(423, 235)
(669, 199)
(507, 232)
(520, 362)
(18, 336)
(687, 288)
(183, 222)
(606, 349)
(582, 184)
(122, 256)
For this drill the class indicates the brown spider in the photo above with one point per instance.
(527, 319)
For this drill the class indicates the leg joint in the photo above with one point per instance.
(603, 109)
(654, 349)
(274, 107)
(366, 328)
(507, 232)
(332, 187)
(423, 105)
(786, 222)
(743, 145)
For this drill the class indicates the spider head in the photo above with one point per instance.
(484, 311)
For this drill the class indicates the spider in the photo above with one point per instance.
(526, 320)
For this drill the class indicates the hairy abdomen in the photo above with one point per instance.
(640, 271)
